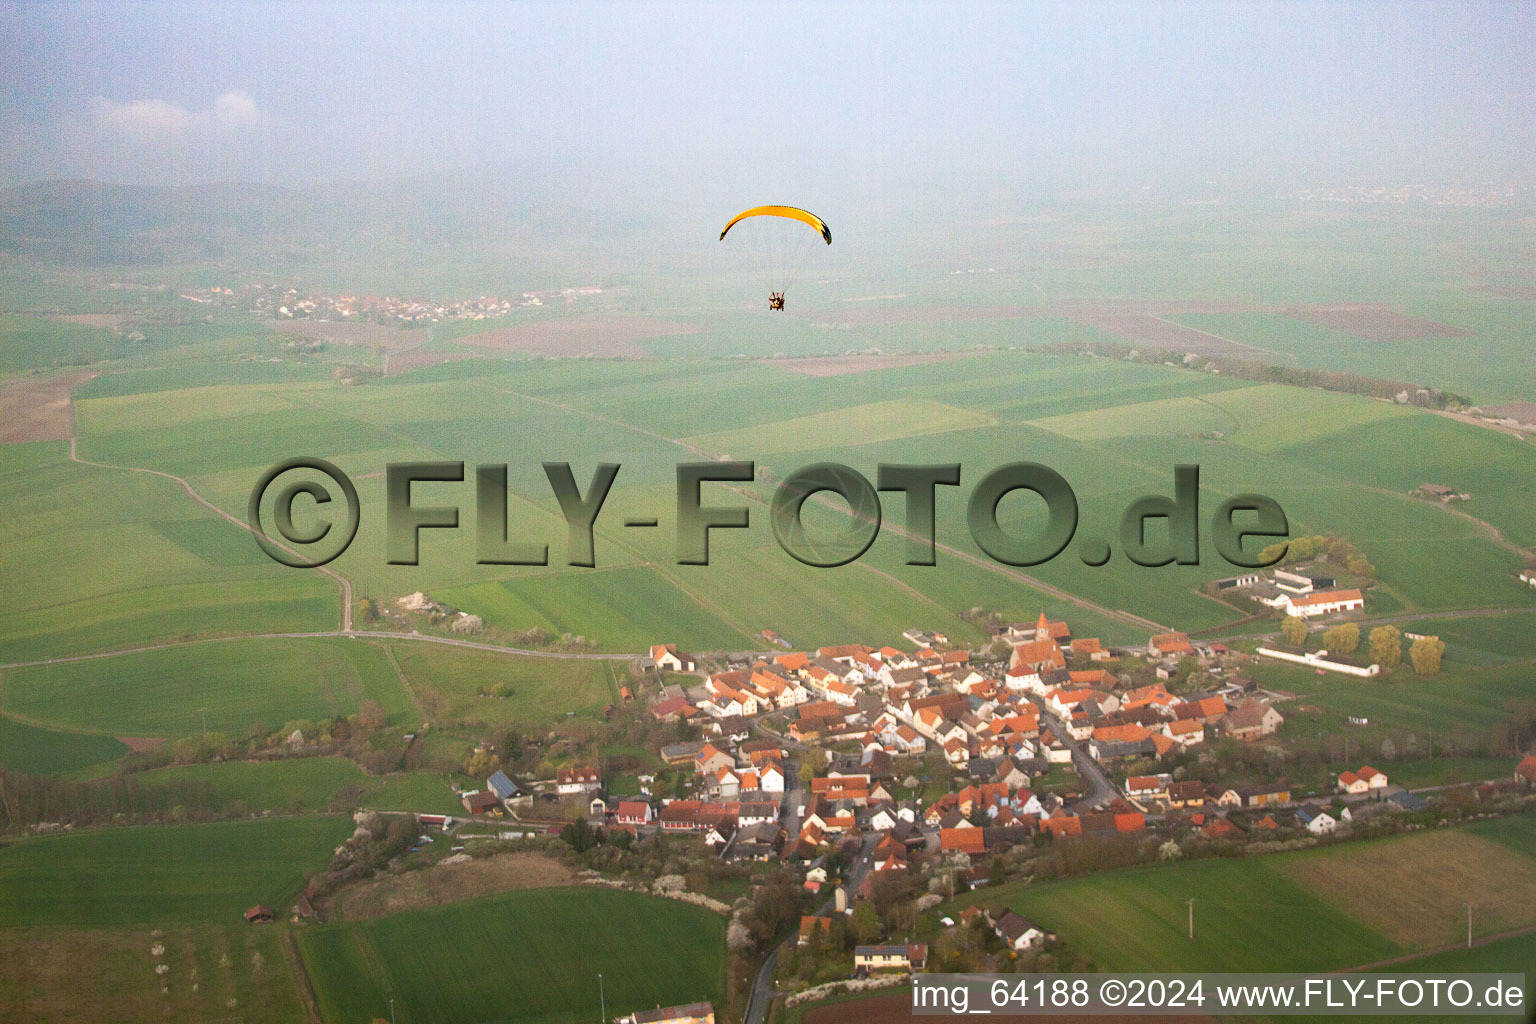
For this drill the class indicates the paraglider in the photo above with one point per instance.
(782, 240)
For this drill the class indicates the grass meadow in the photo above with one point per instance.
(160, 875)
(229, 685)
(1312, 910)
(527, 956)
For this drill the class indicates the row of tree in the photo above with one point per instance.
(1386, 644)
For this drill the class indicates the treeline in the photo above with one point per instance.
(1268, 373)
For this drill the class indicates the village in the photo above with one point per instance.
(892, 779)
(288, 303)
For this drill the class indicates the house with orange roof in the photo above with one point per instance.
(1186, 732)
(1169, 645)
(1062, 827)
(845, 653)
(1155, 695)
(792, 662)
(1362, 781)
(811, 925)
(971, 841)
(1090, 648)
(667, 658)
(1030, 660)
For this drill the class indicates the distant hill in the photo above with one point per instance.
(94, 223)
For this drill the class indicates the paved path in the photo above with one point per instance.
(1104, 788)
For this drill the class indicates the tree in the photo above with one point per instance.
(806, 773)
(1425, 655)
(1294, 631)
(1386, 646)
(1344, 639)
(371, 716)
(579, 835)
(866, 923)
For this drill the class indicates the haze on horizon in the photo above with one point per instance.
(773, 97)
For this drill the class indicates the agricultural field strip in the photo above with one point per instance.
(613, 538)
(1056, 592)
(353, 634)
(346, 584)
(986, 563)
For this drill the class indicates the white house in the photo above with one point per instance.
(1325, 602)
(1316, 820)
(668, 658)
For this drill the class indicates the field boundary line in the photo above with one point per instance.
(300, 975)
(1482, 940)
(1289, 357)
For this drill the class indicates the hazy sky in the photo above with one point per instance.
(1103, 95)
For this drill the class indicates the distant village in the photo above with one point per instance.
(283, 303)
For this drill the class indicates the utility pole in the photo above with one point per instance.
(391, 1010)
(602, 1001)
(1191, 919)
(204, 713)
(1469, 926)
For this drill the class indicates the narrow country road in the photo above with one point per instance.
(1104, 788)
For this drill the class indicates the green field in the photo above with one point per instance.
(29, 749)
(860, 424)
(1312, 910)
(98, 559)
(214, 971)
(157, 875)
(449, 680)
(1115, 429)
(422, 792)
(532, 955)
(234, 683)
(304, 783)
(1470, 698)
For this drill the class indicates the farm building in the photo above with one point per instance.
(693, 1013)
(1251, 720)
(260, 912)
(1322, 602)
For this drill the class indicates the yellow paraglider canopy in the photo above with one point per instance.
(791, 212)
